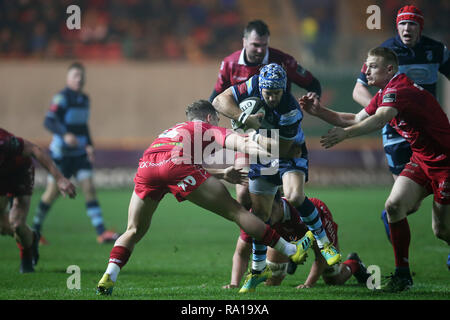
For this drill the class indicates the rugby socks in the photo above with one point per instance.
(260, 250)
(95, 213)
(400, 238)
(353, 265)
(39, 216)
(259, 257)
(117, 259)
(310, 216)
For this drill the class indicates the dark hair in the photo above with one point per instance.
(199, 110)
(259, 26)
(76, 65)
(388, 55)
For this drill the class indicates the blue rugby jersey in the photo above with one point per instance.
(286, 117)
(69, 112)
(421, 64)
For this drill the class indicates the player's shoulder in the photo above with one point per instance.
(233, 57)
(278, 55)
(427, 41)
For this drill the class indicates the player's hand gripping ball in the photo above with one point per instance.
(249, 106)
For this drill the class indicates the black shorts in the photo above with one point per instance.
(70, 166)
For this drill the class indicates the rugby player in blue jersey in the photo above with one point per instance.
(72, 150)
(290, 170)
(421, 59)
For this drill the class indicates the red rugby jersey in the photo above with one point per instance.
(11, 149)
(189, 140)
(234, 70)
(420, 119)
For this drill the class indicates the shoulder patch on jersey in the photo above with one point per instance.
(59, 99)
(389, 98)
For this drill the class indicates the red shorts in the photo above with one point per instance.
(436, 180)
(157, 175)
(20, 182)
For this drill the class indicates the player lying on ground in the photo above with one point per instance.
(417, 116)
(169, 165)
(16, 182)
(290, 169)
(286, 221)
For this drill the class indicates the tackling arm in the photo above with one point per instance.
(64, 185)
(369, 124)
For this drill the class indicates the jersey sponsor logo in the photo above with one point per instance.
(429, 55)
(189, 180)
(389, 98)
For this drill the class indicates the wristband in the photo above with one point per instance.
(243, 117)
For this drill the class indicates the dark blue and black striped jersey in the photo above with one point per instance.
(69, 112)
(286, 117)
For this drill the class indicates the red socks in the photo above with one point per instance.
(119, 255)
(352, 264)
(400, 238)
(270, 237)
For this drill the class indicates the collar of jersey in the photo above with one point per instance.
(242, 60)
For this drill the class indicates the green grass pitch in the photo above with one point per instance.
(186, 255)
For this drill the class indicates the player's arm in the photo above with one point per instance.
(374, 122)
(317, 268)
(230, 174)
(361, 94)
(64, 185)
(445, 65)
(240, 263)
(245, 144)
(310, 104)
(53, 123)
(226, 104)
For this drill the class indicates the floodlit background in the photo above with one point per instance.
(146, 60)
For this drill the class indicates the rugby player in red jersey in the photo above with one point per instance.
(285, 220)
(241, 65)
(172, 163)
(417, 116)
(16, 183)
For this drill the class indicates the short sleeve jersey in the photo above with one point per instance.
(234, 69)
(189, 140)
(420, 119)
(286, 117)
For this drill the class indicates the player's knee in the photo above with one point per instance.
(442, 232)
(295, 198)
(394, 210)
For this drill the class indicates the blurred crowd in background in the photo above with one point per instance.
(193, 30)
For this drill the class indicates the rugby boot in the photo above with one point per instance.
(302, 246)
(397, 282)
(291, 267)
(105, 285)
(361, 275)
(108, 236)
(253, 279)
(331, 254)
(26, 259)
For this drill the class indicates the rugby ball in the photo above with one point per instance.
(252, 105)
